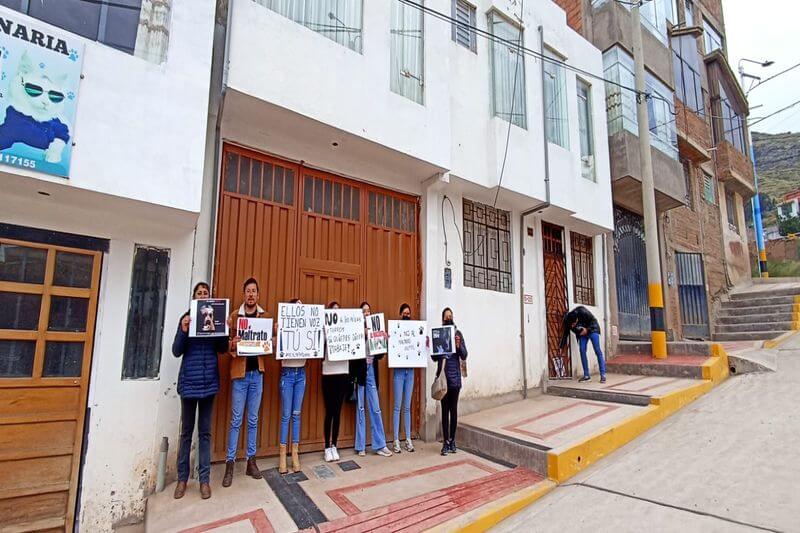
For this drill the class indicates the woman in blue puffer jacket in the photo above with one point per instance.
(452, 371)
(198, 383)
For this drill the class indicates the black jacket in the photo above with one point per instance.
(452, 363)
(358, 369)
(585, 320)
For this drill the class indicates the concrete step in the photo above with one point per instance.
(765, 292)
(673, 348)
(759, 302)
(754, 326)
(504, 449)
(759, 310)
(674, 366)
(598, 395)
(748, 335)
(765, 318)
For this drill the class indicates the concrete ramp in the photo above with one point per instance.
(759, 360)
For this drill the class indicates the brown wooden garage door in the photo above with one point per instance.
(48, 299)
(311, 235)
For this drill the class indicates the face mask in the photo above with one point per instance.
(448, 322)
(406, 318)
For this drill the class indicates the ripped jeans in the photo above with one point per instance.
(367, 398)
(293, 387)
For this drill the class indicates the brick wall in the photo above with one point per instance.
(714, 7)
(730, 160)
(574, 10)
(691, 126)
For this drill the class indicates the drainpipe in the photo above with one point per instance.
(536, 209)
(605, 296)
(161, 473)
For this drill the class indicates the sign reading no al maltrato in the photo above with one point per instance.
(40, 72)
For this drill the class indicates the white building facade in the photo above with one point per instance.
(103, 256)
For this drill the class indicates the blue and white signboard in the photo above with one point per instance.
(40, 72)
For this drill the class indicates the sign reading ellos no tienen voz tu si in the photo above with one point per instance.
(40, 74)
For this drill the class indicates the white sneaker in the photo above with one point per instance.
(362, 453)
(384, 452)
(409, 446)
(334, 453)
(328, 455)
(397, 448)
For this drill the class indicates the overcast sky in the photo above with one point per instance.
(767, 30)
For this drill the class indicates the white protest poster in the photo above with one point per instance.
(255, 336)
(344, 334)
(300, 331)
(407, 344)
(209, 318)
(443, 340)
(376, 333)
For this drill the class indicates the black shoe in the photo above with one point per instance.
(445, 447)
(602, 379)
(584, 378)
(453, 446)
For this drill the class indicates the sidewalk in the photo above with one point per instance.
(409, 491)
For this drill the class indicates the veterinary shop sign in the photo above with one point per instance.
(40, 73)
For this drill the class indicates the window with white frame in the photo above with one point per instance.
(730, 207)
(508, 71)
(463, 34)
(711, 37)
(688, 84)
(621, 103)
(406, 53)
(338, 20)
(585, 129)
(688, 13)
(555, 101)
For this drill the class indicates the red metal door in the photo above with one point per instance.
(556, 302)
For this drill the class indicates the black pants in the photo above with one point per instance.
(450, 414)
(190, 407)
(334, 389)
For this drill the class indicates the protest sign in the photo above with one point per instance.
(300, 331)
(376, 333)
(407, 344)
(255, 336)
(209, 318)
(443, 340)
(344, 334)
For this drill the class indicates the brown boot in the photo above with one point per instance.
(205, 491)
(295, 457)
(282, 459)
(180, 490)
(252, 469)
(227, 479)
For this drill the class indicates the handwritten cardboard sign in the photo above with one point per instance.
(255, 336)
(344, 334)
(209, 318)
(407, 344)
(376, 334)
(300, 331)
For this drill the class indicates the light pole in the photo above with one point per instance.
(756, 201)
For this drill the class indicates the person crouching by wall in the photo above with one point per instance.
(585, 327)
(198, 384)
(452, 371)
(247, 385)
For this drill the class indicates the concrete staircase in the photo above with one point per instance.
(758, 314)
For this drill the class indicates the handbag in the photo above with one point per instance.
(439, 385)
(463, 368)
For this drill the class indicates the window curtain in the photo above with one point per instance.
(555, 113)
(338, 20)
(508, 72)
(152, 36)
(406, 54)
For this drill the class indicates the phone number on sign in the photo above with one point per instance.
(18, 161)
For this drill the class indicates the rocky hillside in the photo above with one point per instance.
(778, 163)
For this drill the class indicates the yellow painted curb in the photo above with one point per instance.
(716, 368)
(498, 512)
(774, 343)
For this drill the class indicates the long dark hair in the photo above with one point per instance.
(404, 307)
(201, 284)
(446, 309)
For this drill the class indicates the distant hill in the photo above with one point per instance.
(778, 163)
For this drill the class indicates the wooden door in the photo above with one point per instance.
(48, 302)
(559, 362)
(320, 241)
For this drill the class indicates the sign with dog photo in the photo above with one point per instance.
(40, 73)
(209, 318)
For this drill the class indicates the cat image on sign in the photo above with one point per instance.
(34, 114)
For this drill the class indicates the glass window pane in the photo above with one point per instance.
(266, 191)
(317, 195)
(288, 189)
(73, 270)
(255, 179)
(337, 199)
(396, 221)
(76, 16)
(356, 207)
(145, 326)
(308, 192)
(63, 359)
(278, 184)
(121, 24)
(406, 51)
(68, 314)
(231, 171)
(328, 197)
(16, 358)
(346, 202)
(19, 311)
(244, 175)
(508, 72)
(22, 264)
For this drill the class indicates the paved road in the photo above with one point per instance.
(728, 462)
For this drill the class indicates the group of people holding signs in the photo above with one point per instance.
(350, 342)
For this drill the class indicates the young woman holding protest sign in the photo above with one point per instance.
(452, 370)
(293, 388)
(198, 383)
(366, 378)
(403, 381)
(335, 384)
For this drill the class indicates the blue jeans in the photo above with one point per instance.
(293, 387)
(403, 388)
(189, 408)
(245, 391)
(583, 340)
(370, 394)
